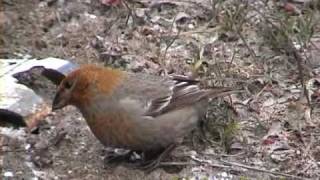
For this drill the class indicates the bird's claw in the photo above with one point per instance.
(110, 159)
(113, 159)
(150, 166)
(147, 166)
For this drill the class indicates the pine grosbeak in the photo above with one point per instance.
(134, 111)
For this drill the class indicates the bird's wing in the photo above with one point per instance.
(162, 94)
(183, 91)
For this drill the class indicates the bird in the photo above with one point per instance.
(136, 111)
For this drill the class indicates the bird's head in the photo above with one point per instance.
(81, 85)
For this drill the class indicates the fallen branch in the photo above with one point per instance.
(208, 162)
(228, 166)
(224, 155)
(262, 170)
(177, 164)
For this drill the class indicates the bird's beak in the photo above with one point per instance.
(59, 102)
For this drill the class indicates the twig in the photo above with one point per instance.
(253, 99)
(170, 44)
(233, 56)
(162, 59)
(315, 46)
(224, 155)
(308, 153)
(197, 31)
(252, 53)
(57, 139)
(230, 164)
(262, 170)
(208, 162)
(260, 92)
(177, 163)
(15, 150)
(292, 50)
(130, 12)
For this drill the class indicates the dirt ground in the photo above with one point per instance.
(274, 133)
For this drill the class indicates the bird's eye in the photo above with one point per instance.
(67, 85)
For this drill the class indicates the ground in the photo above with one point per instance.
(268, 48)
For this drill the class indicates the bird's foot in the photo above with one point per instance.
(110, 159)
(113, 159)
(150, 165)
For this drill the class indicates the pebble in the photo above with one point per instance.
(8, 174)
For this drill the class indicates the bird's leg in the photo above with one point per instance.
(203, 127)
(150, 165)
(113, 158)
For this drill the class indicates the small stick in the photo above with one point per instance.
(262, 170)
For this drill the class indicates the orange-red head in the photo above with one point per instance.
(81, 85)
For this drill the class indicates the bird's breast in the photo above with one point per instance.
(112, 126)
